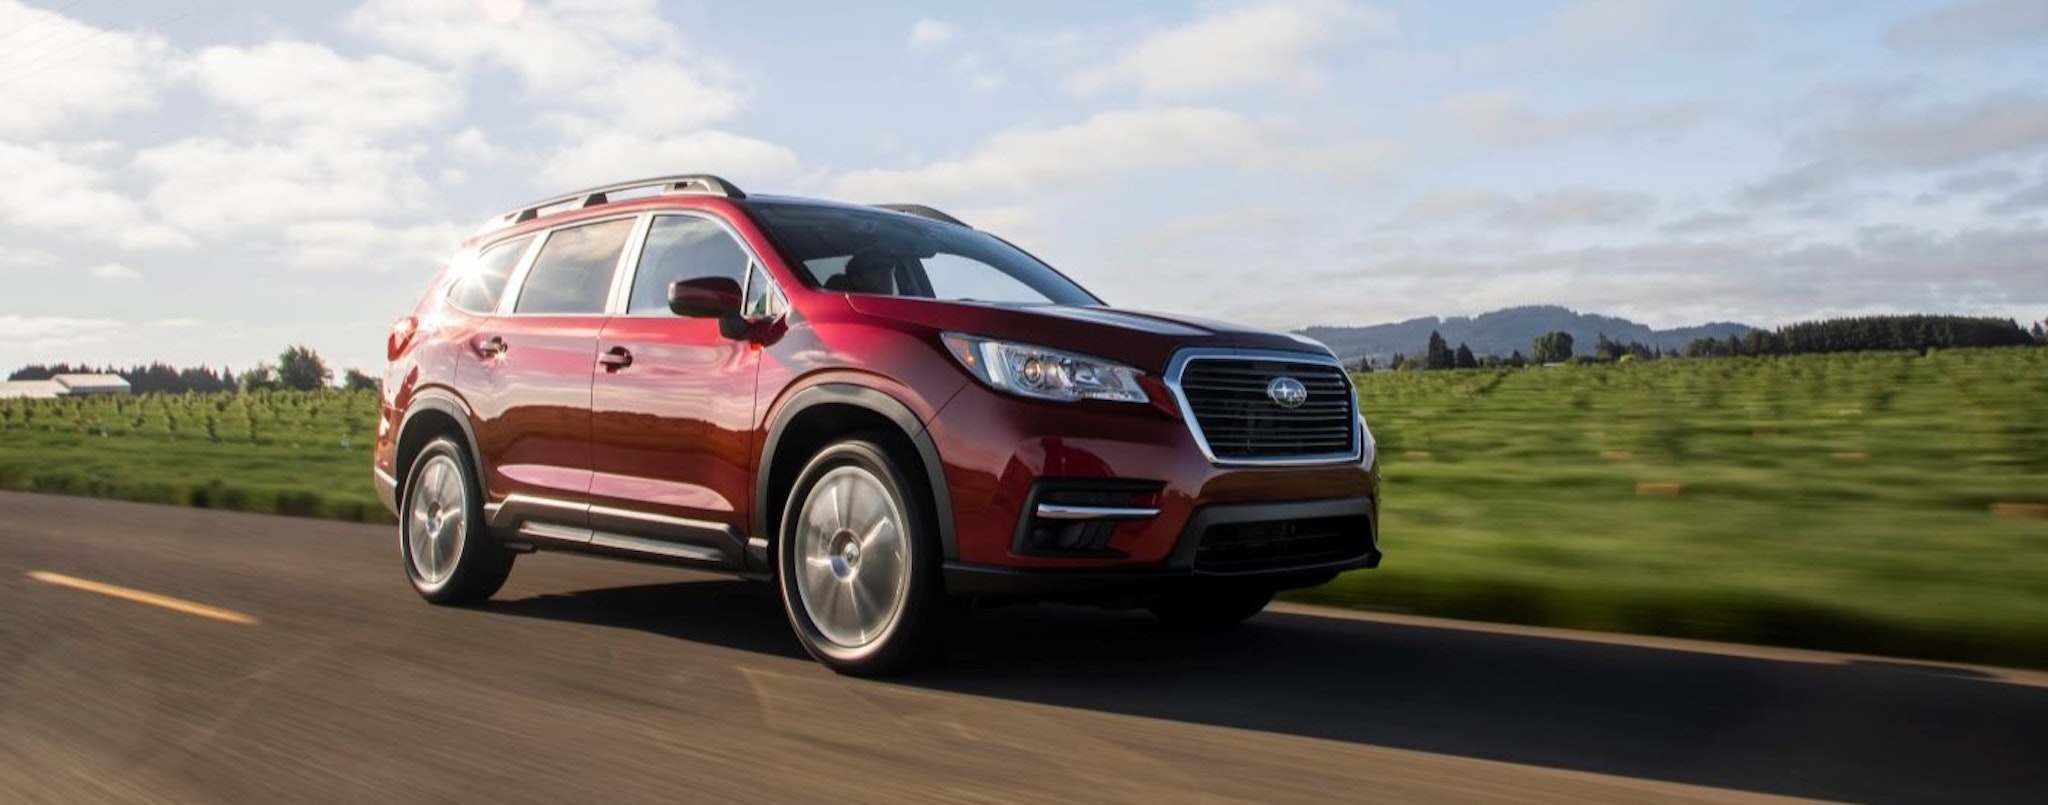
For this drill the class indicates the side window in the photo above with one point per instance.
(573, 273)
(681, 247)
(764, 300)
(477, 288)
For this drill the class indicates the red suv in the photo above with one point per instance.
(887, 412)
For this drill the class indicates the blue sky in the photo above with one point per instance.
(209, 181)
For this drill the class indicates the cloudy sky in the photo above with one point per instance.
(210, 180)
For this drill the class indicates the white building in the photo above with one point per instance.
(63, 386)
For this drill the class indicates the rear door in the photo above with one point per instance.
(530, 386)
(673, 405)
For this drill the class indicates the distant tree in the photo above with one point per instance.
(2040, 332)
(1439, 355)
(1516, 360)
(1552, 348)
(1363, 366)
(1400, 361)
(301, 369)
(355, 380)
(1463, 359)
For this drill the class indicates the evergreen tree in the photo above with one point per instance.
(1439, 355)
(1516, 360)
(1464, 359)
(355, 380)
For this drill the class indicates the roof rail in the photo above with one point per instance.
(923, 211)
(697, 183)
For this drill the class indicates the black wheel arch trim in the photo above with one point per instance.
(837, 393)
(444, 403)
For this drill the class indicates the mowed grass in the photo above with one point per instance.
(1882, 502)
(1848, 502)
(297, 453)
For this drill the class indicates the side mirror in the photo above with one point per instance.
(705, 297)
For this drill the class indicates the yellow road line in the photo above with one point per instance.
(140, 597)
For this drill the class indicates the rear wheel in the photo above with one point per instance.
(450, 557)
(1211, 606)
(856, 563)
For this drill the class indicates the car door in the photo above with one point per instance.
(529, 389)
(673, 402)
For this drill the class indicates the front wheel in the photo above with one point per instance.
(856, 563)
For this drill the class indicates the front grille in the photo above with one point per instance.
(1239, 421)
(1282, 544)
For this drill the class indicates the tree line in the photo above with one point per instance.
(297, 368)
(1858, 334)
(1874, 333)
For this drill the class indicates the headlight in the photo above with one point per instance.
(1044, 374)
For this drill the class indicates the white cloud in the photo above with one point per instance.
(361, 245)
(36, 334)
(216, 187)
(1567, 207)
(930, 33)
(604, 61)
(1509, 119)
(60, 72)
(1968, 26)
(113, 271)
(1936, 135)
(58, 190)
(295, 84)
(1270, 43)
(1107, 145)
(618, 156)
(474, 145)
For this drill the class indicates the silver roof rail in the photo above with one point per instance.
(695, 183)
(924, 211)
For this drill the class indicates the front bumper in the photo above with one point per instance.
(1185, 565)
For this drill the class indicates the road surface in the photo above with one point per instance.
(161, 654)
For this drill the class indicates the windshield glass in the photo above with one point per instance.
(856, 250)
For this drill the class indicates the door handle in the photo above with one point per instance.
(615, 359)
(492, 347)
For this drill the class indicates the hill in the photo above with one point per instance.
(1504, 331)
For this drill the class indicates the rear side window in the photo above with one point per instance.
(682, 247)
(477, 288)
(573, 272)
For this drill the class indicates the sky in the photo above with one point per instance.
(209, 181)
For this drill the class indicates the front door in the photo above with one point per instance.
(673, 403)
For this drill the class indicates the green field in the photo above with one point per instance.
(1880, 502)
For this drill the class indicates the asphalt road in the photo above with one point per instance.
(594, 681)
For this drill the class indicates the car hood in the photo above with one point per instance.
(1142, 339)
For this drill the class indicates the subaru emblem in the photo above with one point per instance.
(1287, 392)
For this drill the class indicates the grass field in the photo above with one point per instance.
(1887, 503)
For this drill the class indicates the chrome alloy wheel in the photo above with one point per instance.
(854, 576)
(437, 520)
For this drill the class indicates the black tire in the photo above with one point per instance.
(1211, 606)
(475, 565)
(837, 545)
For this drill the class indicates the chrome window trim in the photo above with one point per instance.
(519, 276)
(631, 274)
(1179, 365)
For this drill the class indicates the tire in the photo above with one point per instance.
(1207, 606)
(450, 556)
(853, 531)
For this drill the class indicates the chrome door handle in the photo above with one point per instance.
(492, 347)
(615, 359)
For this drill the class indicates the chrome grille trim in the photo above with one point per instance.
(1315, 409)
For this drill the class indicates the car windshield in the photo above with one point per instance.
(855, 250)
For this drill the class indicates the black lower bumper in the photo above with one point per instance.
(1183, 567)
